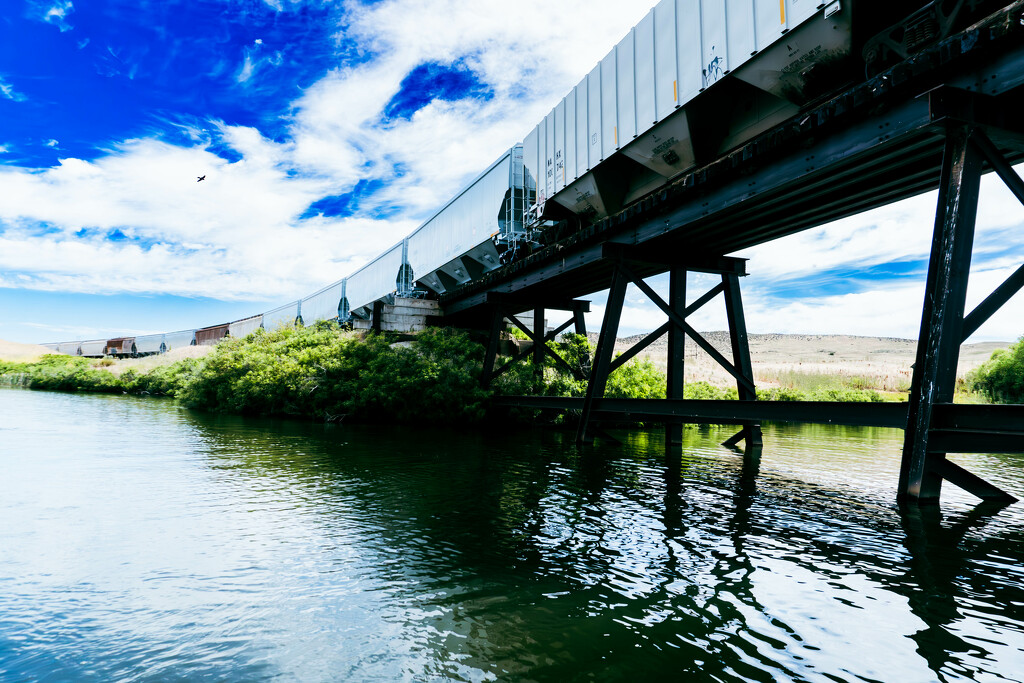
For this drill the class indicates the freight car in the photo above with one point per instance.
(121, 347)
(477, 231)
(244, 327)
(693, 80)
(93, 348)
(697, 78)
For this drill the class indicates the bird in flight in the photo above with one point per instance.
(201, 179)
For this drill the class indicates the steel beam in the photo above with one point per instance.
(969, 482)
(960, 106)
(942, 315)
(581, 329)
(632, 352)
(751, 433)
(550, 336)
(680, 322)
(539, 346)
(724, 411)
(603, 354)
(987, 431)
(1000, 165)
(537, 350)
(511, 302)
(962, 416)
(493, 339)
(717, 265)
(974, 441)
(992, 303)
(1015, 282)
(674, 377)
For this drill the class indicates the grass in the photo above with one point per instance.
(321, 372)
(811, 382)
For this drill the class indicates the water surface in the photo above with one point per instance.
(143, 542)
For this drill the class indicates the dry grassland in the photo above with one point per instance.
(808, 362)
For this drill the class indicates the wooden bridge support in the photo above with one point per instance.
(624, 259)
(943, 324)
(503, 308)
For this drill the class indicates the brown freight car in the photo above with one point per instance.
(208, 336)
(120, 347)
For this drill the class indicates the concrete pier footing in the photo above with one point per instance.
(405, 315)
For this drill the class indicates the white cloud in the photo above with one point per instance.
(254, 60)
(238, 234)
(51, 143)
(8, 92)
(52, 12)
(233, 236)
(897, 232)
(888, 308)
(527, 65)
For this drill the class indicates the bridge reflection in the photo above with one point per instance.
(525, 559)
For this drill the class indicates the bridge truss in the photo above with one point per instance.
(938, 120)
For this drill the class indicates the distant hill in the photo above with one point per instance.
(21, 353)
(885, 361)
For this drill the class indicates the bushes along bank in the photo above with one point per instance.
(324, 373)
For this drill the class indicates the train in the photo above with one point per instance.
(692, 81)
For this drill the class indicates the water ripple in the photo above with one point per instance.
(142, 542)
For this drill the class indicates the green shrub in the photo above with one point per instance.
(636, 379)
(702, 391)
(61, 373)
(849, 395)
(323, 372)
(317, 371)
(164, 380)
(1001, 377)
(781, 394)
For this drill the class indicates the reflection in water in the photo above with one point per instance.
(142, 541)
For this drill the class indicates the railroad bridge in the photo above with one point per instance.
(937, 120)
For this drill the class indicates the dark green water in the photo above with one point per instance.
(142, 542)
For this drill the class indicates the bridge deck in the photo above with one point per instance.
(874, 144)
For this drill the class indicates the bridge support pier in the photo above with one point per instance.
(943, 324)
(625, 260)
(503, 308)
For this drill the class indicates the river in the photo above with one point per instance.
(140, 541)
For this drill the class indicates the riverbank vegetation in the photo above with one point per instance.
(324, 373)
(318, 371)
(1001, 378)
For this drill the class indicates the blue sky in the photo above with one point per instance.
(326, 131)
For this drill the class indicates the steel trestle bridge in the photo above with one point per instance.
(938, 120)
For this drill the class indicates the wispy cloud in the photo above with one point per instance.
(253, 229)
(8, 92)
(235, 236)
(52, 12)
(254, 59)
(419, 96)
